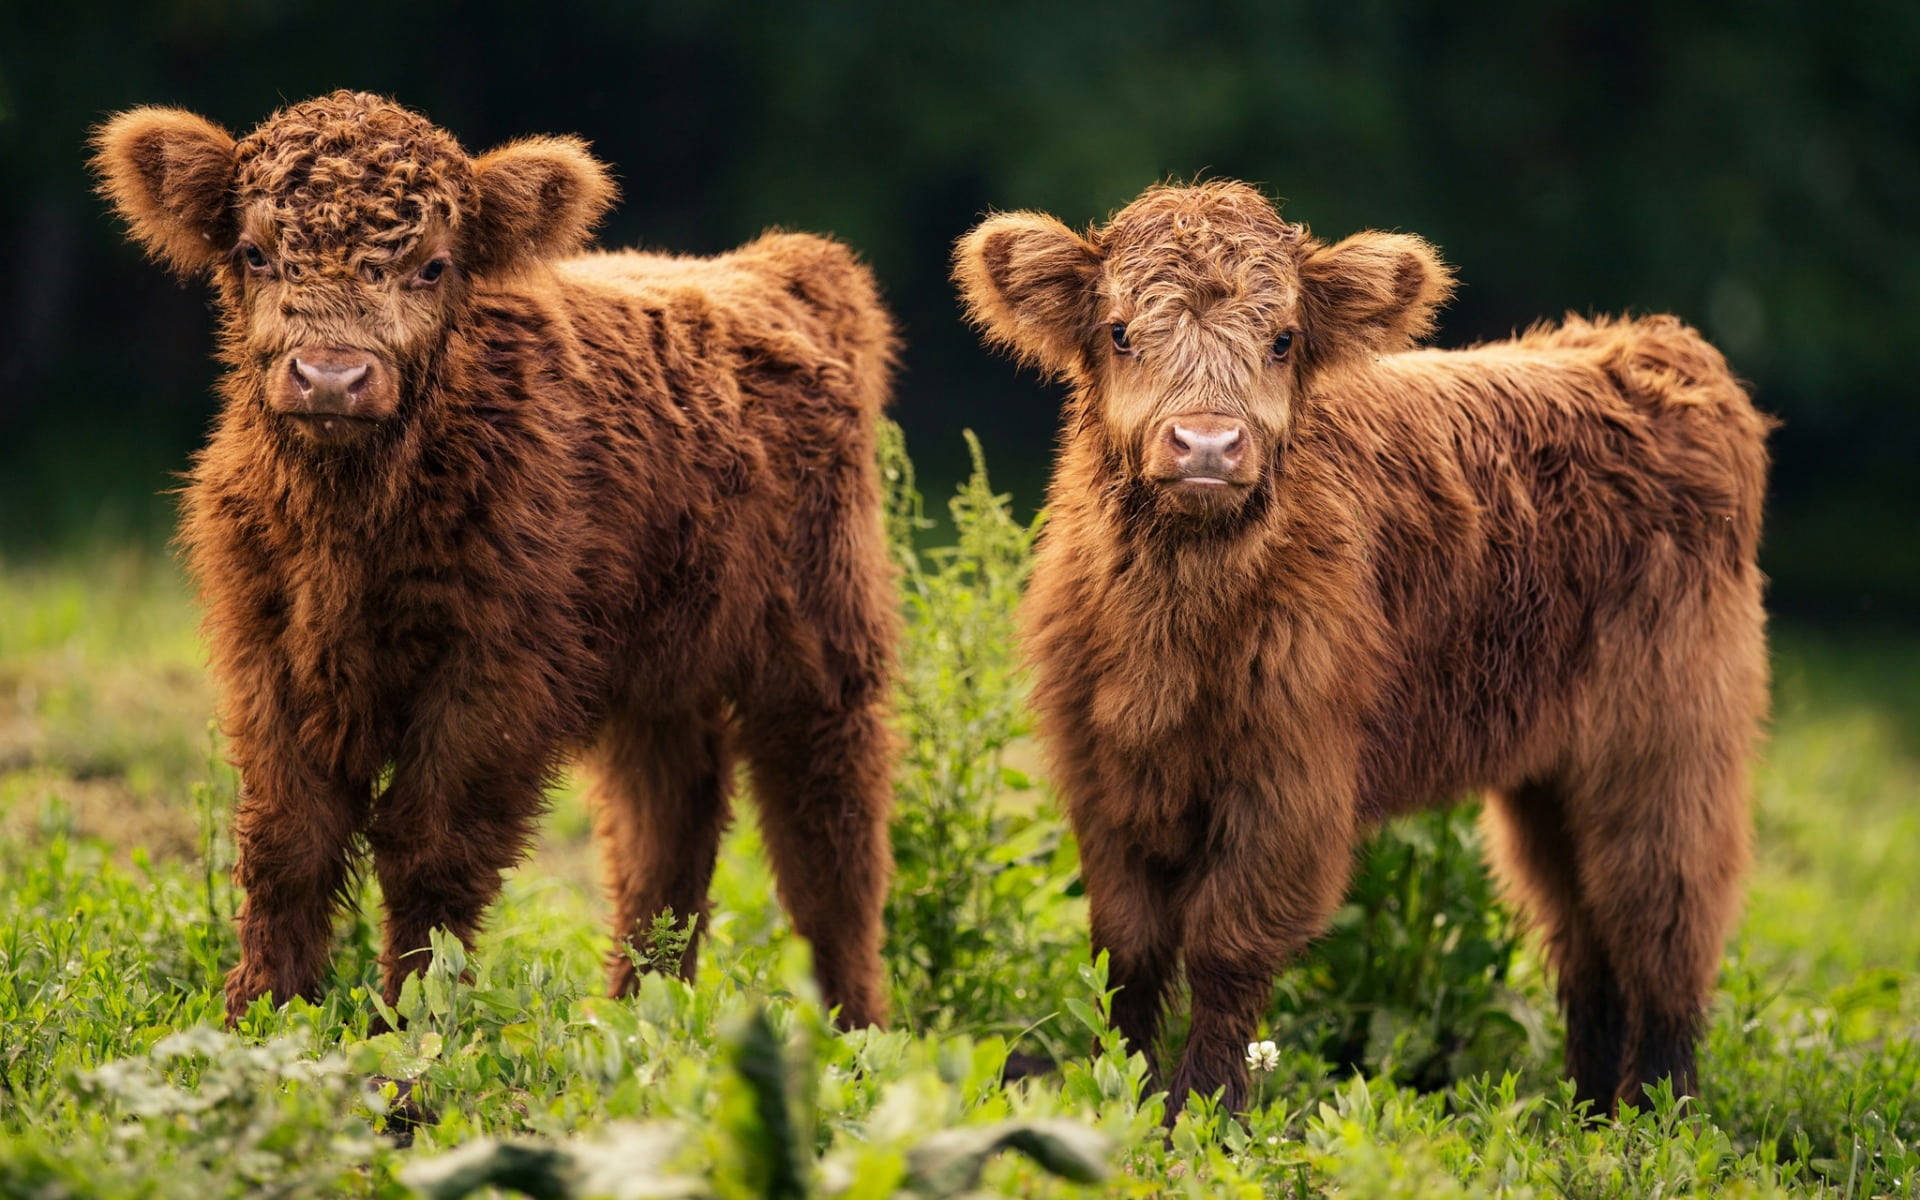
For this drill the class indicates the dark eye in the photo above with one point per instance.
(430, 274)
(1281, 345)
(256, 260)
(1120, 341)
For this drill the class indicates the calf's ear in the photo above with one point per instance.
(169, 174)
(1028, 283)
(539, 198)
(1372, 293)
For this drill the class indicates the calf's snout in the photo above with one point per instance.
(332, 393)
(329, 382)
(1200, 448)
(1207, 447)
(331, 379)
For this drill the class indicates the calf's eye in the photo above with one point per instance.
(256, 260)
(430, 274)
(1281, 345)
(1120, 341)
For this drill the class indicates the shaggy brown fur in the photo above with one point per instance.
(1299, 579)
(472, 503)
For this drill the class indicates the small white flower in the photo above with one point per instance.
(1262, 1056)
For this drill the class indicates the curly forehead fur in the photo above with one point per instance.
(1217, 252)
(352, 179)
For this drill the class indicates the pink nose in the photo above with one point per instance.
(331, 373)
(1207, 446)
(330, 380)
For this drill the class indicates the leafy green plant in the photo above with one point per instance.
(1414, 980)
(981, 926)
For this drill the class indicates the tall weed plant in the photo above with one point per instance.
(982, 930)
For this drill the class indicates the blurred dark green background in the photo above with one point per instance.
(1754, 168)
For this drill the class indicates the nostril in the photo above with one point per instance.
(301, 378)
(1181, 438)
(1231, 441)
(355, 379)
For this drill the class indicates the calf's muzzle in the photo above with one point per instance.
(333, 394)
(1201, 450)
(1206, 449)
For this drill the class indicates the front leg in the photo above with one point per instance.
(1277, 868)
(305, 779)
(1134, 916)
(441, 839)
(293, 833)
(467, 792)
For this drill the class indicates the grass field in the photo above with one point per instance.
(1419, 1047)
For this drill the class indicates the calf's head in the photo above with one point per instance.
(345, 235)
(1192, 324)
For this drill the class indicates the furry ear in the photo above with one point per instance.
(539, 198)
(1372, 293)
(169, 174)
(1028, 284)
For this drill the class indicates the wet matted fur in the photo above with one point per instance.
(618, 503)
(1525, 568)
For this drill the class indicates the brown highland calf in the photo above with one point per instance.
(1298, 580)
(473, 502)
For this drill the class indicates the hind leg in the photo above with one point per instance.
(1656, 799)
(1663, 847)
(1533, 853)
(814, 720)
(660, 805)
(821, 783)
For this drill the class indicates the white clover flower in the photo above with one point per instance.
(1262, 1056)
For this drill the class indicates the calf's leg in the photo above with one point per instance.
(1663, 847)
(293, 835)
(1533, 853)
(441, 837)
(1135, 921)
(659, 795)
(1656, 803)
(1270, 889)
(821, 782)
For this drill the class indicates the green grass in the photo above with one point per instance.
(1419, 1043)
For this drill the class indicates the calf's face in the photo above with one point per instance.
(345, 235)
(1191, 325)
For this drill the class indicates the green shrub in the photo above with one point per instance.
(1415, 979)
(981, 931)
